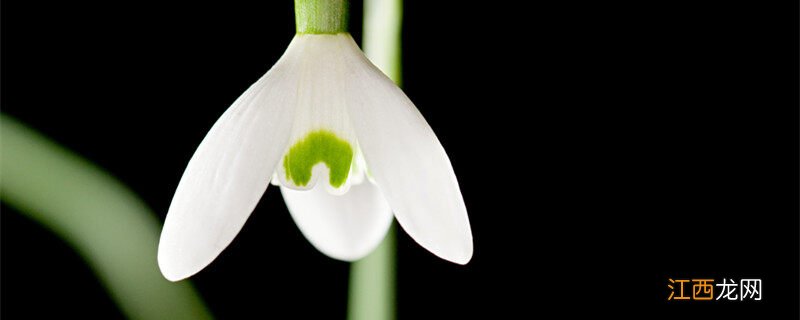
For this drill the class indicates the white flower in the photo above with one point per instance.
(346, 146)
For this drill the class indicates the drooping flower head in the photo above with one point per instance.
(343, 142)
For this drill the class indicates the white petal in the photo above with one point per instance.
(346, 227)
(321, 116)
(407, 161)
(229, 172)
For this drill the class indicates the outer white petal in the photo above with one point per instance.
(407, 161)
(345, 227)
(229, 172)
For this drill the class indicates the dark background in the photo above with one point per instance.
(601, 149)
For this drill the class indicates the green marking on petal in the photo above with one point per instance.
(318, 146)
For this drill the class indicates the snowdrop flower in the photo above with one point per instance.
(343, 142)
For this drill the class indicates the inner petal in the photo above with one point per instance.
(323, 146)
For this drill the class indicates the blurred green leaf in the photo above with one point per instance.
(103, 220)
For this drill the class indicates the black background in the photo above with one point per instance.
(601, 149)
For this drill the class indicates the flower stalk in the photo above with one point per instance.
(372, 279)
(321, 16)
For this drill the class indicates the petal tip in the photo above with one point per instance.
(169, 271)
(461, 258)
(347, 257)
(171, 267)
(455, 252)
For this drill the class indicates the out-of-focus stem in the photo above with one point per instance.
(372, 279)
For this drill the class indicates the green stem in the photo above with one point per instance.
(372, 283)
(383, 20)
(372, 279)
(321, 16)
(104, 221)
